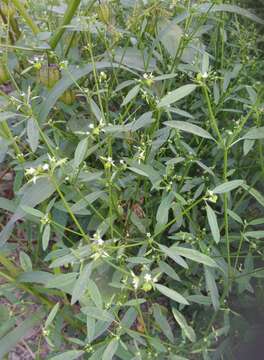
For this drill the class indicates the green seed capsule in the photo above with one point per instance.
(49, 75)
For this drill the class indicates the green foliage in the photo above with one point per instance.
(134, 131)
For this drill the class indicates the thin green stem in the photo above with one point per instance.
(65, 203)
(212, 117)
(70, 12)
(226, 218)
(23, 12)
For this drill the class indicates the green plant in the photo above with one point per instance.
(135, 135)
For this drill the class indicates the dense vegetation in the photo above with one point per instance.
(131, 149)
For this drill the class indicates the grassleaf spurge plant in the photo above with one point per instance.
(132, 132)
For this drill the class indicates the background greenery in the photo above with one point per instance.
(131, 147)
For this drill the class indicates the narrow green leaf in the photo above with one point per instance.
(61, 280)
(190, 128)
(32, 134)
(172, 294)
(234, 216)
(168, 270)
(205, 63)
(177, 357)
(247, 146)
(80, 152)
(95, 294)
(163, 209)
(176, 95)
(25, 261)
(209, 7)
(39, 277)
(194, 255)
(98, 314)
(200, 299)
(68, 355)
(138, 171)
(81, 284)
(162, 322)
(255, 193)
(46, 237)
(129, 318)
(88, 199)
(257, 234)
(170, 34)
(135, 302)
(32, 195)
(95, 110)
(90, 323)
(187, 330)
(110, 350)
(228, 186)
(212, 220)
(131, 95)
(173, 255)
(212, 287)
(142, 122)
(255, 133)
(52, 315)
(31, 211)
(9, 341)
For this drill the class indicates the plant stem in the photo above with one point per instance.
(211, 114)
(65, 203)
(23, 12)
(226, 218)
(73, 5)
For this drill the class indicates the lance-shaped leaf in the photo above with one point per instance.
(194, 255)
(212, 220)
(228, 186)
(172, 294)
(187, 330)
(190, 128)
(176, 95)
(212, 287)
(81, 284)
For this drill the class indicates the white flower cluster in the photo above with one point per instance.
(35, 172)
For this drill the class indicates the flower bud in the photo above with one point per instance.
(146, 286)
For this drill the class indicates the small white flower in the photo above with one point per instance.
(91, 126)
(97, 239)
(51, 158)
(45, 167)
(122, 162)
(205, 75)
(100, 241)
(135, 281)
(30, 171)
(147, 277)
(148, 235)
(110, 160)
(102, 122)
